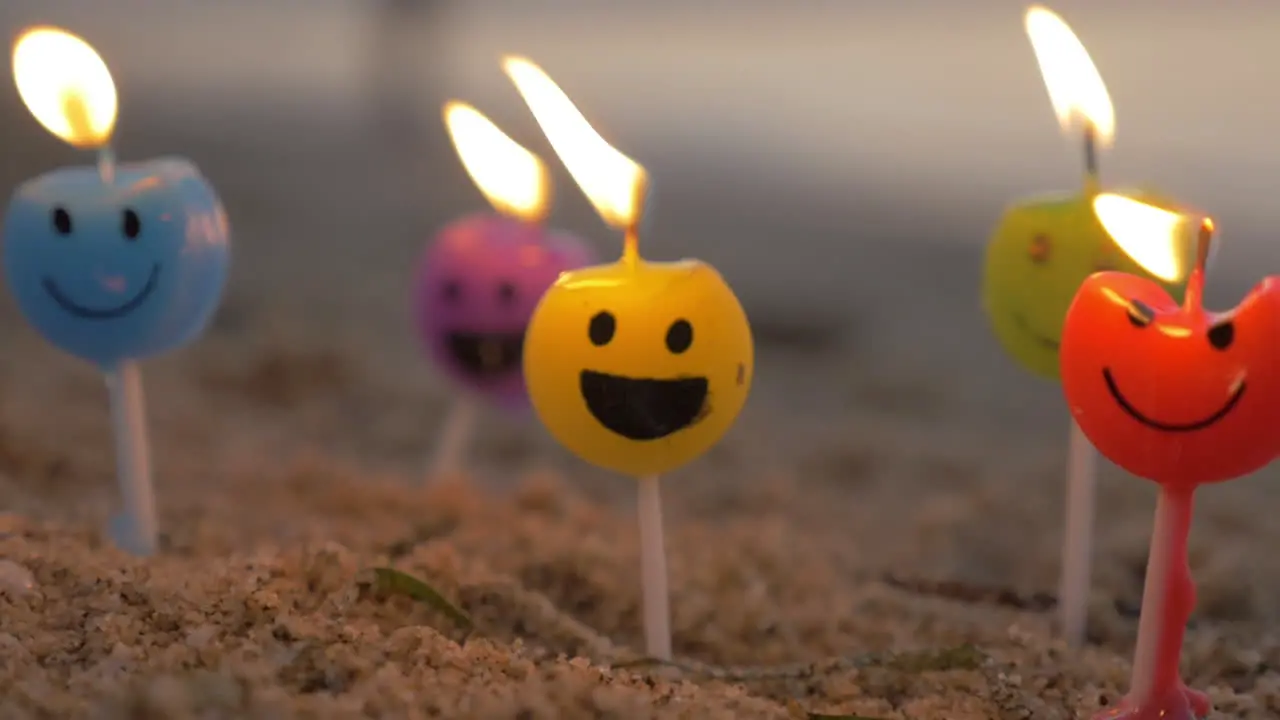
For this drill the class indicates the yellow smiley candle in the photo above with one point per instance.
(635, 366)
(1039, 255)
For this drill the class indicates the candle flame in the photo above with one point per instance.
(66, 86)
(614, 183)
(1152, 236)
(511, 177)
(1075, 87)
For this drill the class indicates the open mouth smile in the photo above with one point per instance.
(487, 355)
(1043, 341)
(111, 313)
(1170, 427)
(644, 408)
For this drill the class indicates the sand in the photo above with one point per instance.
(263, 603)
(869, 541)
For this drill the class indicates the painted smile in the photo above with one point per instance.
(1171, 427)
(487, 355)
(643, 408)
(111, 313)
(1041, 340)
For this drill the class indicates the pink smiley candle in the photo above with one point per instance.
(481, 277)
(1180, 396)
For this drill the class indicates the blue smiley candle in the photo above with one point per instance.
(111, 264)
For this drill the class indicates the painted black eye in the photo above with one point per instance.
(1040, 250)
(61, 221)
(132, 225)
(1140, 315)
(1221, 335)
(452, 291)
(506, 293)
(679, 336)
(602, 327)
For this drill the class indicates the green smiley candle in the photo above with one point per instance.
(1040, 253)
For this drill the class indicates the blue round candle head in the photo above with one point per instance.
(120, 270)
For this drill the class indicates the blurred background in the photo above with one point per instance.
(840, 161)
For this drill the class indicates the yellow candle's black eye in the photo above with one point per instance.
(1040, 250)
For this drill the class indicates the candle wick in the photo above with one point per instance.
(76, 112)
(1090, 152)
(1195, 283)
(546, 197)
(1204, 244)
(631, 245)
(107, 164)
(631, 239)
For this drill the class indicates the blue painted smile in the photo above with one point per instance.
(112, 313)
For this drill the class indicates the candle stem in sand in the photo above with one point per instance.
(653, 569)
(1168, 597)
(1082, 482)
(135, 528)
(455, 437)
(1077, 545)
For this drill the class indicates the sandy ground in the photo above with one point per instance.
(877, 537)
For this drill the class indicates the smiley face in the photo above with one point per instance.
(639, 369)
(476, 287)
(1176, 395)
(1038, 256)
(115, 271)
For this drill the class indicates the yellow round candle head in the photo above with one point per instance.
(639, 367)
(1040, 254)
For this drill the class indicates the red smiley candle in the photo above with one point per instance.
(1175, 394)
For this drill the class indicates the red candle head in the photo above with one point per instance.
(1174, 393)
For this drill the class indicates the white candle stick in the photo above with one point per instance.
(1077, 543)
(653, 569)
(135, 528)
(455, 437)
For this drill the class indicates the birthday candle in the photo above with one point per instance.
(1039, 254)
(113, 263)
(635, 366)
(480, 277)
(1179, 396)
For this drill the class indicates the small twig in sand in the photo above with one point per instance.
(422, 534)
(975, 594)
(962, 657)
(394, 582)
(596, 647)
